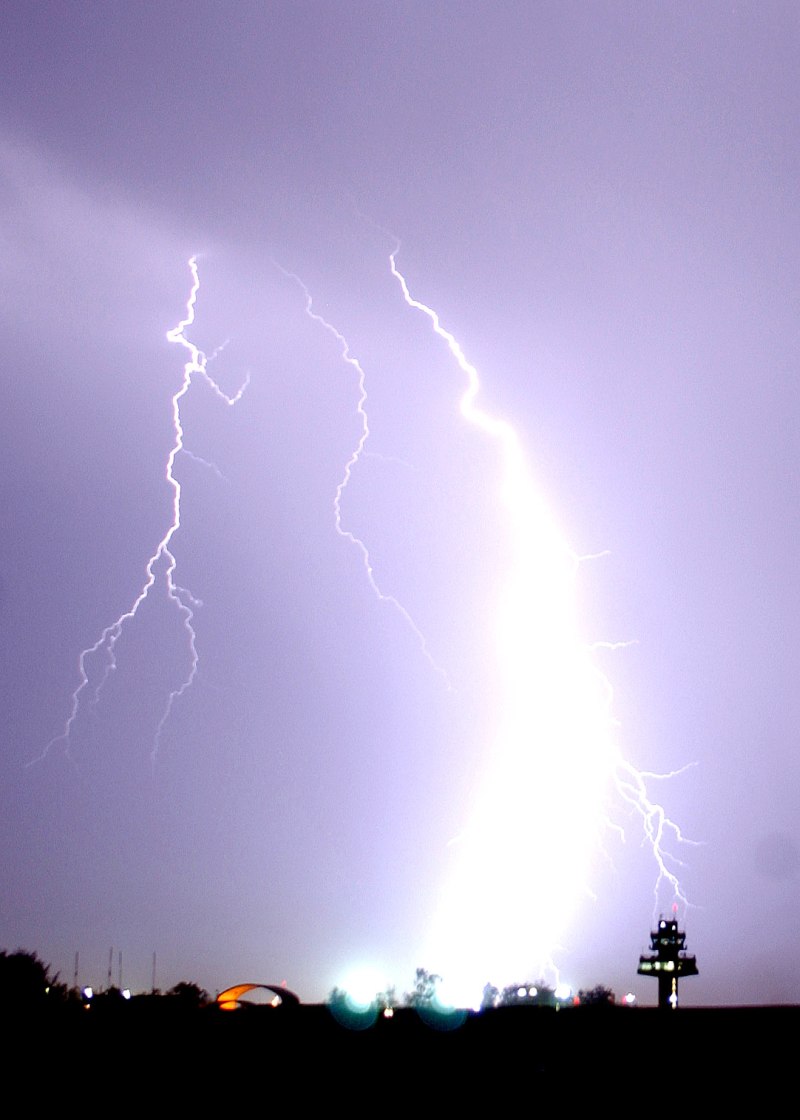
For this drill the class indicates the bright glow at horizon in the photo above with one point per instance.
(162, 562)
(523, 863)
(362, 986)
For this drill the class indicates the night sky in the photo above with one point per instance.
(600, 201)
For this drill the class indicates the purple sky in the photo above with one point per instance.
(600, 200)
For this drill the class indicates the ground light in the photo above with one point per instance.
(563, 994)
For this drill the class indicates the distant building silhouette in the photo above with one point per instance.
(668, 963)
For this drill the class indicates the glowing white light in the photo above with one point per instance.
(446, 997)
(522, 865)
(362, 986)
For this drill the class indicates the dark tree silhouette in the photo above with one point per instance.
(24, 979)
(599, 996)
(190, 995)
(424, 990)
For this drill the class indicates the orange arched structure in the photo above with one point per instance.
(230, 999)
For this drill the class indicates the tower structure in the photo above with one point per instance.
(668, 962)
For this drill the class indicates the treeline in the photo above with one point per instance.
(428, 990)
(27, 982)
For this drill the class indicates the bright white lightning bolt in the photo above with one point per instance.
(359, 452)
(523, 863)
(162, 563)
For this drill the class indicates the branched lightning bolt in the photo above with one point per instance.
(162, 564)
(631, 784)
(522, 862)
(359, 452)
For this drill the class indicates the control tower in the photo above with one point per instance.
(668, 963)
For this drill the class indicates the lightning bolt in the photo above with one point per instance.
(162, 565)
(522, 863)
(358, 453)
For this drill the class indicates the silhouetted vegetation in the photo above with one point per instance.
(189, 994)
(598, 996)
(424, 990)
(25, 980)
